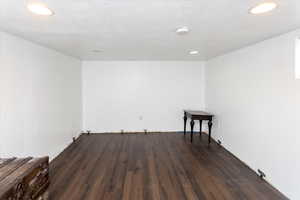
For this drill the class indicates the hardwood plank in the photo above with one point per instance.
(4, 162)
(153, 167)
(10, 167)
(25, 171)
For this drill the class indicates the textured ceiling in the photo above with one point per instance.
(145, 29)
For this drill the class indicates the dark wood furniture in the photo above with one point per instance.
(201, 116)
(24, 178)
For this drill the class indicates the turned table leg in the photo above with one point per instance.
(200, 122)
(192, 129)
(184, 121)
(209, 130)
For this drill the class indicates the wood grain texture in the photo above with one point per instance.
(162, 166)
(24, 178)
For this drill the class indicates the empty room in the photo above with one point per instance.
(149, 100)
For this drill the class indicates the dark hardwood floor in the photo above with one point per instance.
(152, 167)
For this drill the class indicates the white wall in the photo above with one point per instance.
(140, 95)
(40, 103)
(256, 99)
(252, 91)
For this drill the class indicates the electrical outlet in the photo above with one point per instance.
(140, 117)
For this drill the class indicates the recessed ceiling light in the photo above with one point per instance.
(263, 8)
(194, 52)
(39, 9)
(183, 30)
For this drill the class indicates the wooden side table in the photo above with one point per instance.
(201, 116)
